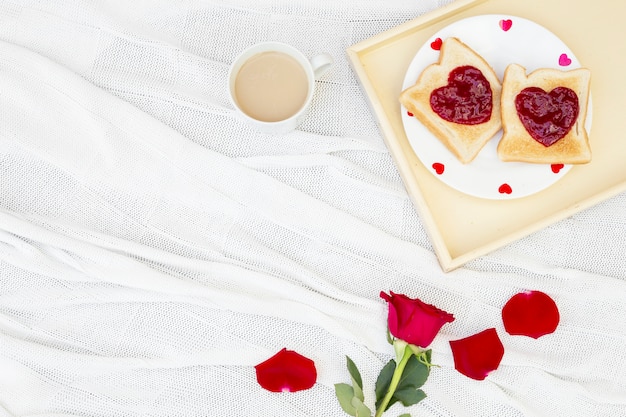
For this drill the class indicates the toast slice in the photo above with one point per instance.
(547, 113)
(457, 99)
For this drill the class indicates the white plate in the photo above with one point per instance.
(500, 40)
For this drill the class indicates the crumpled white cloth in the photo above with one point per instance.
(153, 248)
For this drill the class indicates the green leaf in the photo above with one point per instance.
(383, 381)
(361, 409)
(405, 415)
(357, 382)
(414, 375)
(409, 396)
(429, 354)
(354, 372)
(390, 337)
(345, 395)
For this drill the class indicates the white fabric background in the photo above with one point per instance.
(153, 248)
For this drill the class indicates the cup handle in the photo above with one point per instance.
(321, 63)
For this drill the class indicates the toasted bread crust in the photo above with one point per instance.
(517, 144)
(464, 141)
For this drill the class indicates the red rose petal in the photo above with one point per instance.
(531, 313)
(286, 371)
(477, 355)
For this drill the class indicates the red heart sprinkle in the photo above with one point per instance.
(505, 24)
(409, 113)
(564, 60)
(505, 189)
(547, 117)
(439, 167)
(556, 168)
(436, 44)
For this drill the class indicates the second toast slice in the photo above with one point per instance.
(551, 105)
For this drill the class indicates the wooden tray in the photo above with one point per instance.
(462, 227)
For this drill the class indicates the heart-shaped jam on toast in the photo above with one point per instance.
(467, 98)
(547, 117)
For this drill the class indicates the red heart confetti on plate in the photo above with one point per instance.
(505, 189)
(436, 44)
(505, 24)
(564, 60)
(439, 167)
(556, 168)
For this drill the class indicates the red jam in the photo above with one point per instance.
(547, 117)
(467, 99)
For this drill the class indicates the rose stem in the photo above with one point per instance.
(395, 379)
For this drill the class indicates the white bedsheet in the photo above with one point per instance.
(153, 248)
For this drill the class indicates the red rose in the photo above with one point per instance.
(414, 321)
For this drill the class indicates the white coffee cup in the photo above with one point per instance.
(293, 101)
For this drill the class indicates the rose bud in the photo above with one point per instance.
(414, 321)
